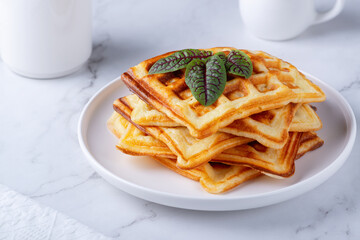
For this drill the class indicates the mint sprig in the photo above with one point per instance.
(178, 60)
(206, 79)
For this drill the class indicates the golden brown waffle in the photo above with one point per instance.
(214, 177)
(309, 141)
(305, 120)
(144, 115)
(219, 178)
(273, 84)
(277, 162)
(134, 142)
(117, 124)
(273, 162)
(270, 128)
(191, 152)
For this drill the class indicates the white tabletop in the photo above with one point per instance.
(40, 155)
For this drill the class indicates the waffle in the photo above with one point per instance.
(276, 162)
(214, 177)
(134, 142)
(117, 124)
(309, 141)
(219, 177)
(273, 162)
(273, 84)
(191, 152)
(305, 119)
(270, 128)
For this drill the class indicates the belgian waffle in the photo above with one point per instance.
(305, 119)
(277, 162)
(273, 162)
(273, 84)
(214, 177)
(133, 141)
(270, 128)
(191, 152)
(309, 141)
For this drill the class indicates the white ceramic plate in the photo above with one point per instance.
(147, 179)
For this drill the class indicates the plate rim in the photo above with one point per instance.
(139, 191)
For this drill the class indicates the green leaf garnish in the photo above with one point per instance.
(221, 55)
(205, 74)
(239, 63)
(178, 60)
(206, 79)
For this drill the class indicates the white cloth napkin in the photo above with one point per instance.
(24, 219)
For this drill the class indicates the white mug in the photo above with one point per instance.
(283, 19)
(45, 38)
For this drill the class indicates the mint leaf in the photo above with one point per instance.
(206, 79)
(239, 63)
(178, 60)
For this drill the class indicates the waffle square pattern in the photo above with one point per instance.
(258, 126)
(273, 84)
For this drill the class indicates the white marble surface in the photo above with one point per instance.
(23, 219)
(40, 156)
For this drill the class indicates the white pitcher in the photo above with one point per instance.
(283, 19)
(45, 38)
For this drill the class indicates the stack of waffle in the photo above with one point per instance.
(259, 125)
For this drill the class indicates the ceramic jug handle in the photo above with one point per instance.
(326, 16)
